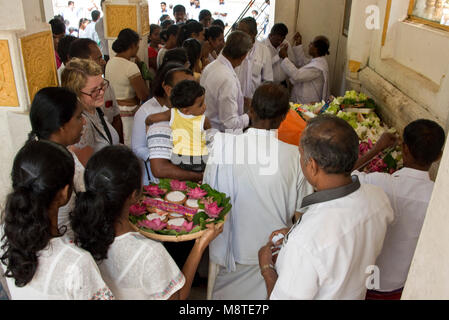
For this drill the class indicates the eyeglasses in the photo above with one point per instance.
(96, 92)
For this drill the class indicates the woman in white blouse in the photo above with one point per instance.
(40, 264)
(126, 80)
(56, 115)
(84, 77)
(133, 266)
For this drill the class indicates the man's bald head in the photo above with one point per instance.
(332, 143)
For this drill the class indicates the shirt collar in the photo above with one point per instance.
(413, 173)
(254, 131)
(331, 194)
(225, 61)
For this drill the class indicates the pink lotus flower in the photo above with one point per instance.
(155, 224)
(213, 210)
(206, 201)
(137, 210)
(178, 185)
(186, 226)
(154, 191)
(196, 193)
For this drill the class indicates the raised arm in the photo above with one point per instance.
(140, 87)
(387, 140)
(158, 117)
(193, 260)
(207, 124)
(300, 75)
(164, 169)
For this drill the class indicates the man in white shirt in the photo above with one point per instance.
(327, 253)
(90, 31)
(72, 15)
(275, 42)
(164, 10)
(224, 98)
(263, 177)
(195, 10)
(221, 12)
(409, 191)
(179, 13)
(311, 80)
(257, 67)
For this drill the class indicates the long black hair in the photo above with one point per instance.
(178, 55)
(51, 109)
(126, 38)
(40, 170)
(187, 30)
(213, 32)
(111, 177)
(193, 48)
(158, 82)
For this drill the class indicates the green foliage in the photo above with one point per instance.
(192, 185)
(165, 184)
(390, 161)
(135, 220)
(200, 218)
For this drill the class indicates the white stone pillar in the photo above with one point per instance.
(27, 64)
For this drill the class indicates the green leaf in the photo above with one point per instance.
(167, 232)
(370, 104)
(192, 185)
(195, 230)
(148, 230)
(390, 161)
(225, 211)
(202, 223)
(135, 219)
(197, 218)
(165, 184)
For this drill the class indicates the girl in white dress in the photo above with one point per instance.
(37, 262)
(56, 115)
(133, 266)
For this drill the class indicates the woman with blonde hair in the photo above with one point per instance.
(84, 77)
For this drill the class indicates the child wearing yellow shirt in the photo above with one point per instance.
(188, 123)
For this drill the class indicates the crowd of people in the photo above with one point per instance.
(304, 223)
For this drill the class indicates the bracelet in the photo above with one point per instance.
(266, 267)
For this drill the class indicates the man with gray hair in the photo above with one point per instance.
(330, 253)
(224, 98)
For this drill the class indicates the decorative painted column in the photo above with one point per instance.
(27, 64)
(132, 14)
(27, 56)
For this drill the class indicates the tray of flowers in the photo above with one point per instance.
(176, 211)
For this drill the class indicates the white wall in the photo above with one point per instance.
(413, 59)
(325, 17)
(286, 11)
(407, 77)
(25, 17)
